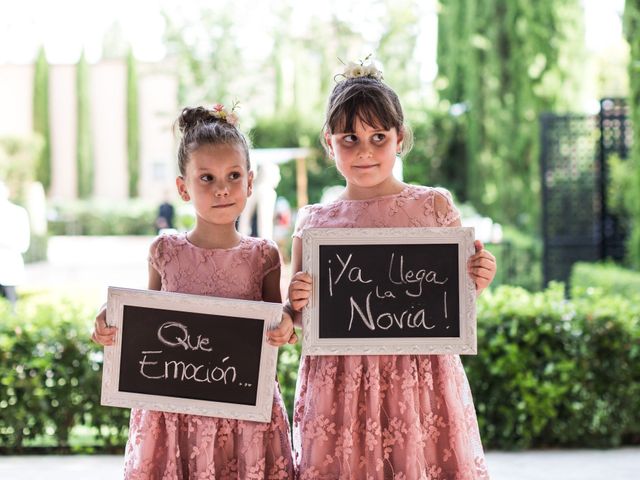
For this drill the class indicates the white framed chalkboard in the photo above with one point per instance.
(389, 291)
(190, 354)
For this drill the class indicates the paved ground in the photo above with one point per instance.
(88, 264)
(620, 464)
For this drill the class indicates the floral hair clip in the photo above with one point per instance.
(361, 69)
(221, 113)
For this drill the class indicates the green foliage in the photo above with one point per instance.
(632, 33)
(85, 152)
(133, 127)
(17, 164)
(437, 153)
(37, 249)
(549, 372)
(555, 372)
(50, 376)
(41, 118)
(208, 54)
(502, 63)
(605, 279)
(288, 361)
(91, 217)
(519, 260)
(129, 217)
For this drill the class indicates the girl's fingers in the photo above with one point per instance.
(482, 274)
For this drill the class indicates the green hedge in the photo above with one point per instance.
(130, 217)
(550, 372)
(605, 278)
(50, 378)
(556, 372)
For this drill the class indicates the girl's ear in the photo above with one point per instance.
(327, 139)
(399, 140)
(250, 183)
(182, 189)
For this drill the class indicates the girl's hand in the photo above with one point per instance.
(284, 333)
(102, 333)
(482, 267)
(299, 290)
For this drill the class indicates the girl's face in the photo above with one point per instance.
(217, 181)
(365, 157)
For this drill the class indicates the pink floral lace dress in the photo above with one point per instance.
(173, 446)
(381, 417)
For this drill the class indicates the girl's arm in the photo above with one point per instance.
(482, 265)
(105, 335)
(284, 333)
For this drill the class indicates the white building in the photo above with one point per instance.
(157, 88)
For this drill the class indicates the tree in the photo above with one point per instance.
(41, 118)
(632, 33)
(84, 148)
(133, 128)
(501, 64)
(209, 58)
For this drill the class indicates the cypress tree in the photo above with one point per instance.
(500, 59)
(84, 153)
(41, 118)
(632, 34)
(133, 128)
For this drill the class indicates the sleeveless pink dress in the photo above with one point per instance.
(174, 446)
(383, 417)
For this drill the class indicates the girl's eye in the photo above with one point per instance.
(378, 137)
(349, 138)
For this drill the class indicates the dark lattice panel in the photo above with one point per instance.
(571, 202)
(615, 139)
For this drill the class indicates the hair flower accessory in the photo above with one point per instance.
(363, 68)
(221, 113)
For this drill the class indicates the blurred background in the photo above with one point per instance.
(526, 111)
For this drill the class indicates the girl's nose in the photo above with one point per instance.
(364, 152)
(221, 191)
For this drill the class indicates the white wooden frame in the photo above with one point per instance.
(112, 396)
(313, 238)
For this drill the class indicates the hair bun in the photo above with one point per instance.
(192, 116)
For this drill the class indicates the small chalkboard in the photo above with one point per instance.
(190, 354)
(389, 291)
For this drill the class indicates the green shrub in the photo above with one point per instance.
(50, 373)
(37, 249)
(550, 371)
(607, 278)
(519, 260)
(128, 217)
(555, 372)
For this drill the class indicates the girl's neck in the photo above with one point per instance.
(391, 186)
(214, 236)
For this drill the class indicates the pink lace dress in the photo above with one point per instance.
(173, 446)
(381, 417)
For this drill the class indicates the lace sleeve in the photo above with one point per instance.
(301, 221)
(156, 251)
(445, 211)
(270, 257)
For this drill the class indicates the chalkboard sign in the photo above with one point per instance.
(389, 290)
(190, 354)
